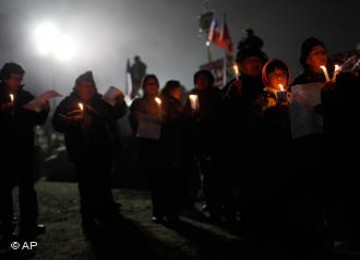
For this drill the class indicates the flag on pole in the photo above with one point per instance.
(128, 86)
(225, 38)
(214, 35)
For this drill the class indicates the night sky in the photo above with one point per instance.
(164, 33)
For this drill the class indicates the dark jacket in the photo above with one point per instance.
(172, 135)
(94, 137)
(202, 127)
(17, 129)
(308, 76)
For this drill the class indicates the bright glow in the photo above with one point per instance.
(207, 43)
(336, 71)
(325, 72)
(194, 101)
(158, 101)
(12, 99)
(81, 106)
(46, 35)
(236, 70)
(281, 86)
(51, 41)
(65, 48)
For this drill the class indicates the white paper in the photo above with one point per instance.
(37, 103)
(111, 94)
(304, 119)
(148, 127)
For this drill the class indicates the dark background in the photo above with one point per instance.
(164, 33)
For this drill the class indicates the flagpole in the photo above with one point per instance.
(209, 51)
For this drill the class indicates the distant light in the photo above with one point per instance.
(207, 43)
(51, 41)
(46, 35)
(65, 48)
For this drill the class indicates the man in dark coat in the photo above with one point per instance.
(85, 119)
(240, 154)
(17, 151)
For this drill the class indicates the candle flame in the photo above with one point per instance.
(337, 67)
(12, 98)
(281, 86)
(194, 101)
(158, 101)
(325, 72)
(236, 70)
(81, 106)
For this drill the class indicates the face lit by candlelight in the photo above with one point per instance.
(175, 92)
(278, 77)
(317, 58)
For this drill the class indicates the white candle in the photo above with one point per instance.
(281, 86)
(336, 71)
(325, 73)
(194, 101)
(12, 99)
(236, 70)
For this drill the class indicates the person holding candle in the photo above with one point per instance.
(150, 108)
(90, 141)
(269, 128)
(201, 129)
(238, 154)
(308, 195)
(17, 153)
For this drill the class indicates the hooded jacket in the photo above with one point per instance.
(92, 139)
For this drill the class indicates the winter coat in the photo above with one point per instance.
(17, 129)
(94, 137)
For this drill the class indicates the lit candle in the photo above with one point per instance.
(81, 106)
(336, 71)
(236, 70)
(194, 101)
(158, 101)
(281, 94)
(325, 72)
(12, 99)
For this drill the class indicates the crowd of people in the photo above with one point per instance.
(302, 190)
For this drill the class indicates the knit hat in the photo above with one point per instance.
(306, 48)
(87, 76)
(250, 46)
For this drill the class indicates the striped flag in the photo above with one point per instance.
(225, 38)
(214, 35)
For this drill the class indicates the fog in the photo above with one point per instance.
(164, 33)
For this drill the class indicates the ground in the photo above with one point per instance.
(136, 237)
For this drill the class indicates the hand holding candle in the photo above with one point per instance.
(281, 94)
(194, 101)
(325, 73)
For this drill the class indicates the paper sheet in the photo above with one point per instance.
(37, 103)
(148, 127)
(304, 120)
